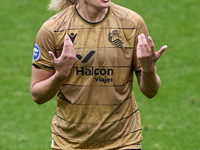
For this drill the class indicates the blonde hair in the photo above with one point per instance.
(57, 5)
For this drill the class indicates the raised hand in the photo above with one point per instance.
(148, 56)
(65, 62)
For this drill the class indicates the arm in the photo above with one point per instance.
(149, 83)
(44, 84)
(148, 80)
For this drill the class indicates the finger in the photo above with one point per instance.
(52, 57)
(139, 46)
(138, 49)
(144, 44)
(71, 46)
(160, 52)
(140, 42)
(68, 48)
(152, 46)
(65, 46)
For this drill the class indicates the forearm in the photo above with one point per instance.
(150, 83)
(45, 90)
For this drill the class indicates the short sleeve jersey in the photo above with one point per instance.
(96, 108)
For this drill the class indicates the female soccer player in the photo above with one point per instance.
(87, 55)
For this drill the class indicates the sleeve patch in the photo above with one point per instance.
(36, 52)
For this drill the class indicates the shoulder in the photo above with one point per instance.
(53, 23)
(48, 30)
(127, 15)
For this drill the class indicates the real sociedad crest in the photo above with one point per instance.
(114, 38)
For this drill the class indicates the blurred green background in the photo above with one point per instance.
(170, 120)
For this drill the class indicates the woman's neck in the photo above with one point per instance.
(90, 13)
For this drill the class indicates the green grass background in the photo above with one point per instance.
(170, 120)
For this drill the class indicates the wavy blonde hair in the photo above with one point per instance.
(57, 5)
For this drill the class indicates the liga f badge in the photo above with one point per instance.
(114, 38)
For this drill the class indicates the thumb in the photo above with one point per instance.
(52, 56)
(160, 52)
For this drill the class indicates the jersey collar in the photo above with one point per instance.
(91, 23)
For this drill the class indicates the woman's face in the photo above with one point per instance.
(98, 3)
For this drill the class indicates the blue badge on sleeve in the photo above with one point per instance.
(36, 52)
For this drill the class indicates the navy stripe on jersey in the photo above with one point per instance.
(131, 48)
(98, 140)
(99, 123)
(98, 85)
(97, 28)
(59, 96)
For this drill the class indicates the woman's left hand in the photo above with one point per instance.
(148, 56)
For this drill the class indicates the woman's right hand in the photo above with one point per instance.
(65, 62)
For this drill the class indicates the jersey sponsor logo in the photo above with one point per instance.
(36, 52)
(114, 38)
(101, 74)
(89, 55)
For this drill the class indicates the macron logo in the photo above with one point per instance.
(72, 37)
(89, 55)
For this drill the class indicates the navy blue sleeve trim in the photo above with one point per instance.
(139, 71)
(36, 66)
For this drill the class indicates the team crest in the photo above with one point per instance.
(114, 38)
